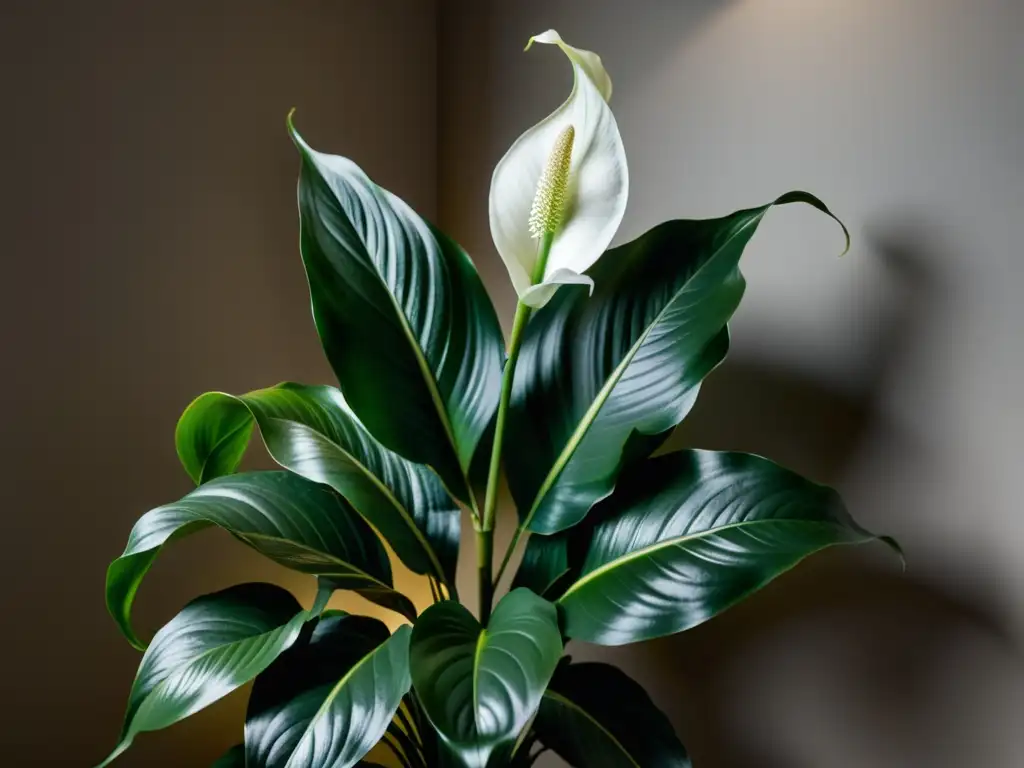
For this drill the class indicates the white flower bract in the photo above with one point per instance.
(592, 196)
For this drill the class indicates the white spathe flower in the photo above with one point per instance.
(532, 195)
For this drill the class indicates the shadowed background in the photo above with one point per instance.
(150, 255)
(150, 251)
(894, 373)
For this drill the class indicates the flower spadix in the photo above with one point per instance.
(558, 195)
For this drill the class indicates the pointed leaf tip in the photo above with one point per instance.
(294, 135)
(799, 196)
(289, 124)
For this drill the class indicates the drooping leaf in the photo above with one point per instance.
(402, 315)
(594, 715)
(214, 645)
(313, 432)
(233, 758)
(688, 534)
(479, 686)
(294, 522)
(330, 699)
(601, 379)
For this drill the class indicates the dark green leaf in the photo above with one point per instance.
(329, 700)
(312, 432)
(688, 534)
(299, 524)
(479, 686)
(233, 758)
(545, 565)
(595, 716)
(216, 644)
(605, 378)
(402, 315)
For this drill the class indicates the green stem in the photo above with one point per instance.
(485, 532)
(508, 553)
(516, 340)
(484, 557)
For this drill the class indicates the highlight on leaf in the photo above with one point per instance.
(624, 543)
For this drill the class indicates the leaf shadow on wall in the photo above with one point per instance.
(846, 657)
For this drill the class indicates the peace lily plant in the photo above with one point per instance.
(607, 353)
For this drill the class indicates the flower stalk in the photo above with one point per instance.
(546, 214)
(485, 533)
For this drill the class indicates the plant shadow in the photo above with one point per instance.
(847, 654)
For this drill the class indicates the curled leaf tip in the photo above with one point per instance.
(293, 133)
(289, 124)
(897, 548)
(798, 196)
(549, 201)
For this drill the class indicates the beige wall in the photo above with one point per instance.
(149, 254)
(894, 373)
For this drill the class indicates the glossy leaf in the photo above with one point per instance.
(216, 644)
(546, 565)
(402, 315)
(688, 534)
(313, 432)
(329, 700)
(604, 378)
(299, 524)
(479, 686)
(595, 716)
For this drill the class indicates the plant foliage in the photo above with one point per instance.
(601, 365)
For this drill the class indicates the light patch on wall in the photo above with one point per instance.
(412, 585)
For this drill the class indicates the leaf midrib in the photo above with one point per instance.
(676, 541)
(478, 651)
(591, 414)
(209, 651)
(410, 523)
(331, 696)
(565, 701)
(327, 555)
(421, 361)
